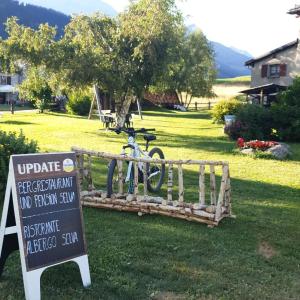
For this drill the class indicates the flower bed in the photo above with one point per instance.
(256, 145)
(264, 149)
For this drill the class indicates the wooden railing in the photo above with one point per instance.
(209, 211)
(202, 105)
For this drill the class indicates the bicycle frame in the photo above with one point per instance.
(136, 152)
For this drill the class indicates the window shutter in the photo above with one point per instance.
(264, 71)
(283, 70)
(8, 80)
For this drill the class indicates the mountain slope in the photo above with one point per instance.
(76, 6)
(30, 15)
(229, 62)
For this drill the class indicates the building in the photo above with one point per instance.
(274, 71)
(8, 84)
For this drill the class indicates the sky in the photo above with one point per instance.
(254, 26)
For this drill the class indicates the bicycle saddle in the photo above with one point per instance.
(149, 137)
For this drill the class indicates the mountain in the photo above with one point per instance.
(229, 62)
(31, 15)
(75, 6)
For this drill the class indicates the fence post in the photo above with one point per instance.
(170, 182)
(120, 176)
(196, 106)
(136, 179)
(180, 184)
(209, 105)
(202, 186)
(145, 175)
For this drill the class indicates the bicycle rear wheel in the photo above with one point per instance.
(113, 179)
(156, 172)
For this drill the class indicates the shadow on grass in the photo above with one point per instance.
(133, 257)
(181, 115)
(11, 122)
(65, 115)
(189, 258)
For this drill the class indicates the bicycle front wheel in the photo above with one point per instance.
(156, 172)
(114, 176)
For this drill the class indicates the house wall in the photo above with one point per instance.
(15, 79)
(289, 57)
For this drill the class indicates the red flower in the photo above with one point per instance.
(257, 145)
(240, 142)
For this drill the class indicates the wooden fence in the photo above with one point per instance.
(210, 211)
(202, 105)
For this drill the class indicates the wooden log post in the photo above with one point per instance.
(136, 179)
(228, 194)
(221, 197)
(170, 183)
(145, 165)
(120, 177)
(89, 176)
(180, 184)
(80, 162)
(202, 186)
(213, 194)
(196, 106)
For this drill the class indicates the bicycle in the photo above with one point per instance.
(155, 172)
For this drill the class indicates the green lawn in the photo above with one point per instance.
(234, 80)
(255, 256)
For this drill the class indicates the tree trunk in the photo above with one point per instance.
(191, 98)
(179, 94)
(122, 110)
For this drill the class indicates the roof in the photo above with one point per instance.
(162, 98)
(295, 10)
(271, 53)
(267, 89)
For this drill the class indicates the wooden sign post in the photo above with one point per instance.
(42, 217)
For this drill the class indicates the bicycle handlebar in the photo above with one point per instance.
(130, 131)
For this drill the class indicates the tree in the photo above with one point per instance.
(121, 57)
(196, 70)
(36, 88)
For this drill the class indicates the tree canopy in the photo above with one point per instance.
(144, 46)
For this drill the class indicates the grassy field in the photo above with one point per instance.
(255, 256)
(241, 79)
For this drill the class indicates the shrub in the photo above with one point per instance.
(79, 103)
(286, 113)
(252, 122)
(225, 107)
(12, 143)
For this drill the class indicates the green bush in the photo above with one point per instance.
(286, 113)
(252, 122)
(225, 107)
(12, 143)
(79, 103)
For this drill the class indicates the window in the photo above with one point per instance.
(5, 80)
(274, 71)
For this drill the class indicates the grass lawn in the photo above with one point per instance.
(241, 79)
(256, 256)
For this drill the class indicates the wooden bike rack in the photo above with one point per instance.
(210, 211)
